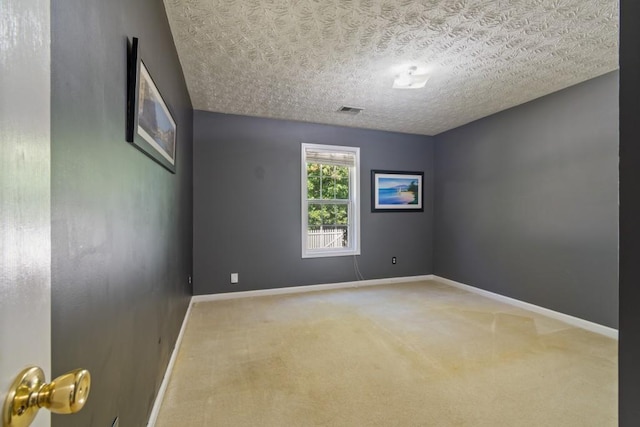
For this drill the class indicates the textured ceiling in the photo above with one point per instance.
(303, 59)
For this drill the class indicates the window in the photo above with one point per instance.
(330, 200)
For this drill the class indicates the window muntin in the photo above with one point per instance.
(330, 208)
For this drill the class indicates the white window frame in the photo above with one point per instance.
(354, 204)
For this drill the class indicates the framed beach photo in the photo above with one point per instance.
(394, 191)
(150, 125)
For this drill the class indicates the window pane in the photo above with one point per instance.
(328, 188)
(315, 215)
(331, 215)
(325, 237)
(340, 173)
(342, 188)
(342, 214)
(327, 215)
(345, 236)
(313, 187)
(313, 169)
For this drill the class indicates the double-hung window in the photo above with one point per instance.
(330, 200)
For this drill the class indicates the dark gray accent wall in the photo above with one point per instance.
(527, 202)
(247, 205)
(121, 224)
(629, 346)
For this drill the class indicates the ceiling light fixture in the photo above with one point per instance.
(410, 79)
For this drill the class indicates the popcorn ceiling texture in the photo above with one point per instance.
(303, 59)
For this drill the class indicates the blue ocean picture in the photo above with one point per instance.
(397, 191)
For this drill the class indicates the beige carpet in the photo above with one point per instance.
(415, 354)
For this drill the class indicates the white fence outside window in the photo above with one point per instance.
(326, 238)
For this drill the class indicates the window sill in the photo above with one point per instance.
(326, 254)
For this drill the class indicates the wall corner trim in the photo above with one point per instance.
(157, 404)
(309, 288)
(571, 320)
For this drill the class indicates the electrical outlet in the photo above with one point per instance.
(234, 278)
(189, 279)
(393, 260)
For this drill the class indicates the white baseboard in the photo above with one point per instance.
(571, 320)
(167, 374)
(310, 288)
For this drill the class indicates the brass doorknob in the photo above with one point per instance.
(66, 394)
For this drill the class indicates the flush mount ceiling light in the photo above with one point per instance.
(410, 79)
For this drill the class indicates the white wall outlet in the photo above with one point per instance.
(234, 278)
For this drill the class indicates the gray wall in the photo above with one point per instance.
(527, 202)
(121, 224)
(247, 205)
(629, 348)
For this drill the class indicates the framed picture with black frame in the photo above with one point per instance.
(397, 191)
(150, 124)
